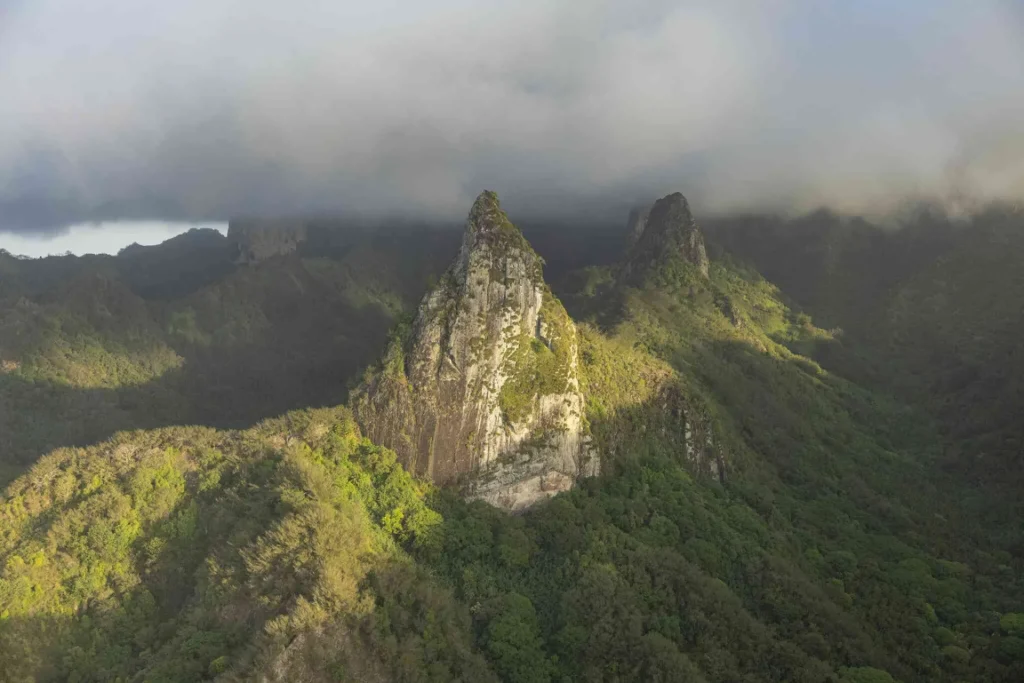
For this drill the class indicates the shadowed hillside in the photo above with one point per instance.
(930, 312)
(97, 344)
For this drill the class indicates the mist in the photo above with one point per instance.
(205, 109)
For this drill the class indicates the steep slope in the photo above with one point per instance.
(666, 249)
(665, 235)
(857, 526)
(485, 389)
(187, 554)
(175, 334)
(930, 312)
(826, 546)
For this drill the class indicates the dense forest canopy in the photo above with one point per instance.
(861, 521)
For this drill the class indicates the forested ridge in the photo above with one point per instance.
(177, 334)
(840, 538)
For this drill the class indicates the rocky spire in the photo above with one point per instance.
(669, 231)
(485, 391)
(636, 224)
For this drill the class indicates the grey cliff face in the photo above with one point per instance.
(669, 231)
(485, 392)
(256, 241)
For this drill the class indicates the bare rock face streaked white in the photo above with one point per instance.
(485, 392)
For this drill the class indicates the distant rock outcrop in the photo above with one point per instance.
(668, 232)
(485, 391)
(255, 241)
(636, 224)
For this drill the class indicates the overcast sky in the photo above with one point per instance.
(204, 109)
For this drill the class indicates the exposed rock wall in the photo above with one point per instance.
(255, 241)
(701, 449)
(485, 392)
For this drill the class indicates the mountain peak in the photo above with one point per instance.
(667, 231)
(485, 208)
(487, 222)
(485, 392)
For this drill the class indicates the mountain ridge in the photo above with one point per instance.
(759, 515)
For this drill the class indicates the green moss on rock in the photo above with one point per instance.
(538, 366)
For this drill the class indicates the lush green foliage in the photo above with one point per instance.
(189, 554)
(832, 547)
(88, 348)
(537, 368)
(828, 554)
(930, 312)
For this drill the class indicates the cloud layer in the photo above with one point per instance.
(204, 109)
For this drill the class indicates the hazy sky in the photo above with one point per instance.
(96, 238)
(203, 109)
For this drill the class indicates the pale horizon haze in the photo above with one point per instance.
(106, 237)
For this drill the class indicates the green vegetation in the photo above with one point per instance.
(828, 554)
(186, 554)
(494, 227)
(929, 313)
(835, 545)
(538, 368)
(90, 346)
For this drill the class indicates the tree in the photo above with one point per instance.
(512, 641)
(864, 674)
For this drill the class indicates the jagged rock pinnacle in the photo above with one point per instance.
(488, 224)
(486, 213)
(486, 390)
(669, 231)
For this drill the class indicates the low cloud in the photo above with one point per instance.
(204, 109)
